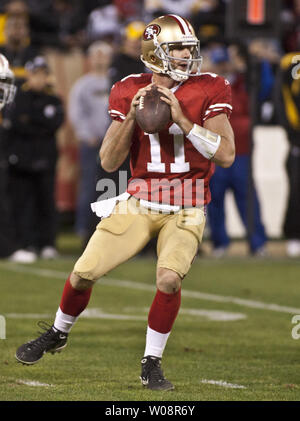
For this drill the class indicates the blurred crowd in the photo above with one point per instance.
(108, 35)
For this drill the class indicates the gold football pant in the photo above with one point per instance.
(122, 235)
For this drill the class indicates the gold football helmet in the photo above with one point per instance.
(160, 37)
(7, 87)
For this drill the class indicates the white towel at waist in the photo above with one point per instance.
(104, 208)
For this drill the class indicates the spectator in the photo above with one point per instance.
(17, 48)
(266, 60)
(8, 244)
(88, 114)
(184, 8)
(58, 24)
(70, 23)
(129, 9)
(15, 8)
(235, 178)
(128, 61)
(103, 24)
(290, 23)
(29, 130)
(22, 9)
(210, 22)
(290, 110)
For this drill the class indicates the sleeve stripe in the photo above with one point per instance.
(220, 105)
(213, 110)
(116, 112)
(132, 75)
(117, 115)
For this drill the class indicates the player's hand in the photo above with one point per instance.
(170, 98)
(176, 112)
(136, 98)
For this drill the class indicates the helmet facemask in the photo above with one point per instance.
(163, 52)
(193, 63)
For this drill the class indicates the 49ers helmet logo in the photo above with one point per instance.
(150, 31)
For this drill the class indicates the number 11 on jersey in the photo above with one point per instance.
(180, 165)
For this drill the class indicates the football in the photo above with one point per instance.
(152, 113)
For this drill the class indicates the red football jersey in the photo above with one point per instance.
(165, 166)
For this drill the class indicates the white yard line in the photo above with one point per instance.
(92, 313)
(206, 296)
(98, 313)
(33, 383)
(215, 315)
(223, 384)
(144, 287)
(28, 316)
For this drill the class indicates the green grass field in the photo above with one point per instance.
(227, 331)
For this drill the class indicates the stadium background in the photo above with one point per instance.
(68, 62)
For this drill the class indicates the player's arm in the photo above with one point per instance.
(116, 144)
(215, 140)
(225, 153)
(117, 141)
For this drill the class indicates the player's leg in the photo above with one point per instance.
(46, 213)
(110, 245)
(291, 226)
(177, 246)
(21, 193)
(240, 179)
(115, 240)
(162, 315)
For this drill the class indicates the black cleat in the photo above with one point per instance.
(51, 340)
(152, 376)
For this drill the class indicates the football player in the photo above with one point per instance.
(198, 136)
(8, 246)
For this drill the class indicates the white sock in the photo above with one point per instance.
(155, 342)
(64, 322)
